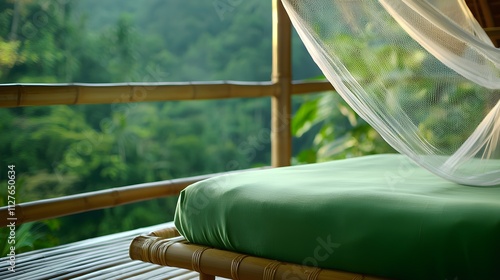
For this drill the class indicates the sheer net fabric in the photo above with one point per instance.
(423, 73)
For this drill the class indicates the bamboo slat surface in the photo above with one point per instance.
(62, 206)
(177, 252)
(103, 258)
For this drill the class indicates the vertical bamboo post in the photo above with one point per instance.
(487, 15)
(281, 138)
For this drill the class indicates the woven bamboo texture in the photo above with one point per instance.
(167, 249)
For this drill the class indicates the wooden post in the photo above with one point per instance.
(281, 138)
(487, 15)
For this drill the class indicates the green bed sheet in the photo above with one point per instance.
(379, 215)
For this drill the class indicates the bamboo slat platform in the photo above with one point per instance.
(165, 247)
(103, 257)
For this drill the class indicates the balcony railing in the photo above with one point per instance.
(279, 89)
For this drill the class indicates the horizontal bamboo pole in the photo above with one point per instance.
(177, 252)
(61, 206)
(72, 204)
(305, 87)
(17, 95)
(493, 32)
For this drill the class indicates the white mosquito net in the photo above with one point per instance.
(423, 73)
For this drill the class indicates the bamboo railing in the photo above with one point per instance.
(84, 202)
(280, 89)
(73, 204)
(17, 95)
(14, 95)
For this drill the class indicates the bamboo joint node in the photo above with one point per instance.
(20, 93)
(145, 249)
(77, 95)
(235, 264)
(270, 270)
(196, 260)
(159, 249)
(314, 275)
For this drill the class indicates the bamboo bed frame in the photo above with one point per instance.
(167, 247)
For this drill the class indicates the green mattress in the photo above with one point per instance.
(379, 215)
